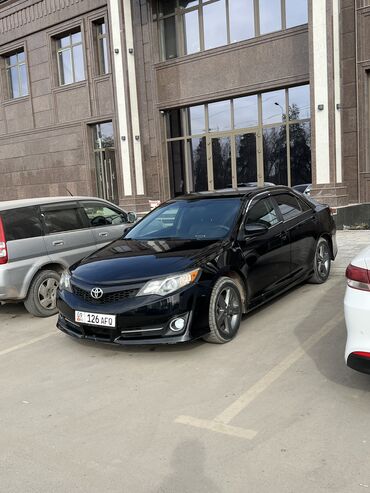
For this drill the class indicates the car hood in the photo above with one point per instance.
(133, 260)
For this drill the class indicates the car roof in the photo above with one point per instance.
(245, 192)
(15, 204)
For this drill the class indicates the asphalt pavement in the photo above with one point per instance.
(275, 410)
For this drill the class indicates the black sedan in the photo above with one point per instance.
(194, 265)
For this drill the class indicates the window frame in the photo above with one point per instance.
(64, 206)
(253, 202)
(280, 193)
(64, 34)
(98, 52)
(17, 65)
(83, 204)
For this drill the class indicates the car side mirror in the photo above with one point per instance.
(131, 217)
(255, 229)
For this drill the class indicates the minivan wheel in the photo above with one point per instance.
(225, 311)
(41, 299)
(321, 262)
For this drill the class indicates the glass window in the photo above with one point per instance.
(71, 66)
(275, 155)
(219, 116)
(176, 157)
(17, 75)
(197, 124)
(241, 18)
(273, 107)
(174, 125)
(169, 37)
(191, 32)
(22, 223)
(198, 160)
(214, 21)
(300, 153)
(288, 206)
(270, 16)
(221, 158)
(246, 159)
(101, 35)
(296, 12)
(101, 215)
(299, 102)
(246, 112)
(262, 213)
(190, 219)
(104, 135)
(62, 219)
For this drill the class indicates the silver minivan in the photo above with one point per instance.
(39, 238)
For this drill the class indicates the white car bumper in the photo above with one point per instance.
(357, 316)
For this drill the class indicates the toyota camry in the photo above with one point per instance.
(193, 266)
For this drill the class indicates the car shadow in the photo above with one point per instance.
(15, 309)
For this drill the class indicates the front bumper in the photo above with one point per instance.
(357, 317)
(139, 320)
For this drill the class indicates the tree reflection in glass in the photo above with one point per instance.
(221, 158)
(198, 157)
(275, 155)
(246, 158)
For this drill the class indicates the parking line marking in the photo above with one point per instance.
(245, 399)
(215, 426)
(220, 423)
(28, 343)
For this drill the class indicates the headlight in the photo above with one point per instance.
(65, 281)
(167, 285)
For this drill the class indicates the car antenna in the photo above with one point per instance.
(70, 193)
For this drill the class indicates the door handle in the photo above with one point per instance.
(58, 242)
(283, 236)
(103, 234)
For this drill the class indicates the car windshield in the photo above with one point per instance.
(193, 219)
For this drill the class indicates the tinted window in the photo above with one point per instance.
(59, 220)
(101, 215)
(201, 219)
(22, 223)
(288, 205)
(262, 213)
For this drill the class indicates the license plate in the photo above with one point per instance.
(95, 319)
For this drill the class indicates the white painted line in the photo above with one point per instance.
(245, 399)
(25, 344)
(218, 427)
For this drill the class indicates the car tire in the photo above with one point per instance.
(224, 314)
(41, 299)
(321, 262)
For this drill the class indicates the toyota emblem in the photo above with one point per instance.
(96, 293)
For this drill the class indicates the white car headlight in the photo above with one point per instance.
(168, 285)
(65, 281)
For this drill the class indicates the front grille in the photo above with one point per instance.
(114, 297)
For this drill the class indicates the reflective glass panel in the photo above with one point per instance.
(21, 56)
(102, 28)
(14, 88)
(11, 60)
(191, 32)
(299, 102)
(275, 155)
(219, 116)
(104, 135)
(221, 158)
(241, 16)
(198, 159)
(246, 112)
(197, 123)
(23, 79)
(270, 16)
(64, 41)
(169, 33)
(246, 159)
(300, 153)
(76, 38)
(176, 157)
(103, 52)
(78, 60)
(174, 125)
(296, 12)
(214, 20)
(65, 67)
(273, 107)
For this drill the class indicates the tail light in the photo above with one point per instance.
(3, 249)
(362, 354)
(333, 211)
(358, 278)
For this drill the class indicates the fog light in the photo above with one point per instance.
(177, 324)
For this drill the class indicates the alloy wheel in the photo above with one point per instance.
(322, 259)
(228, 311)
(47, 293)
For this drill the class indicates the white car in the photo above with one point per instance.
(357, 312)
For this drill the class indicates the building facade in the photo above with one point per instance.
(147, 99)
